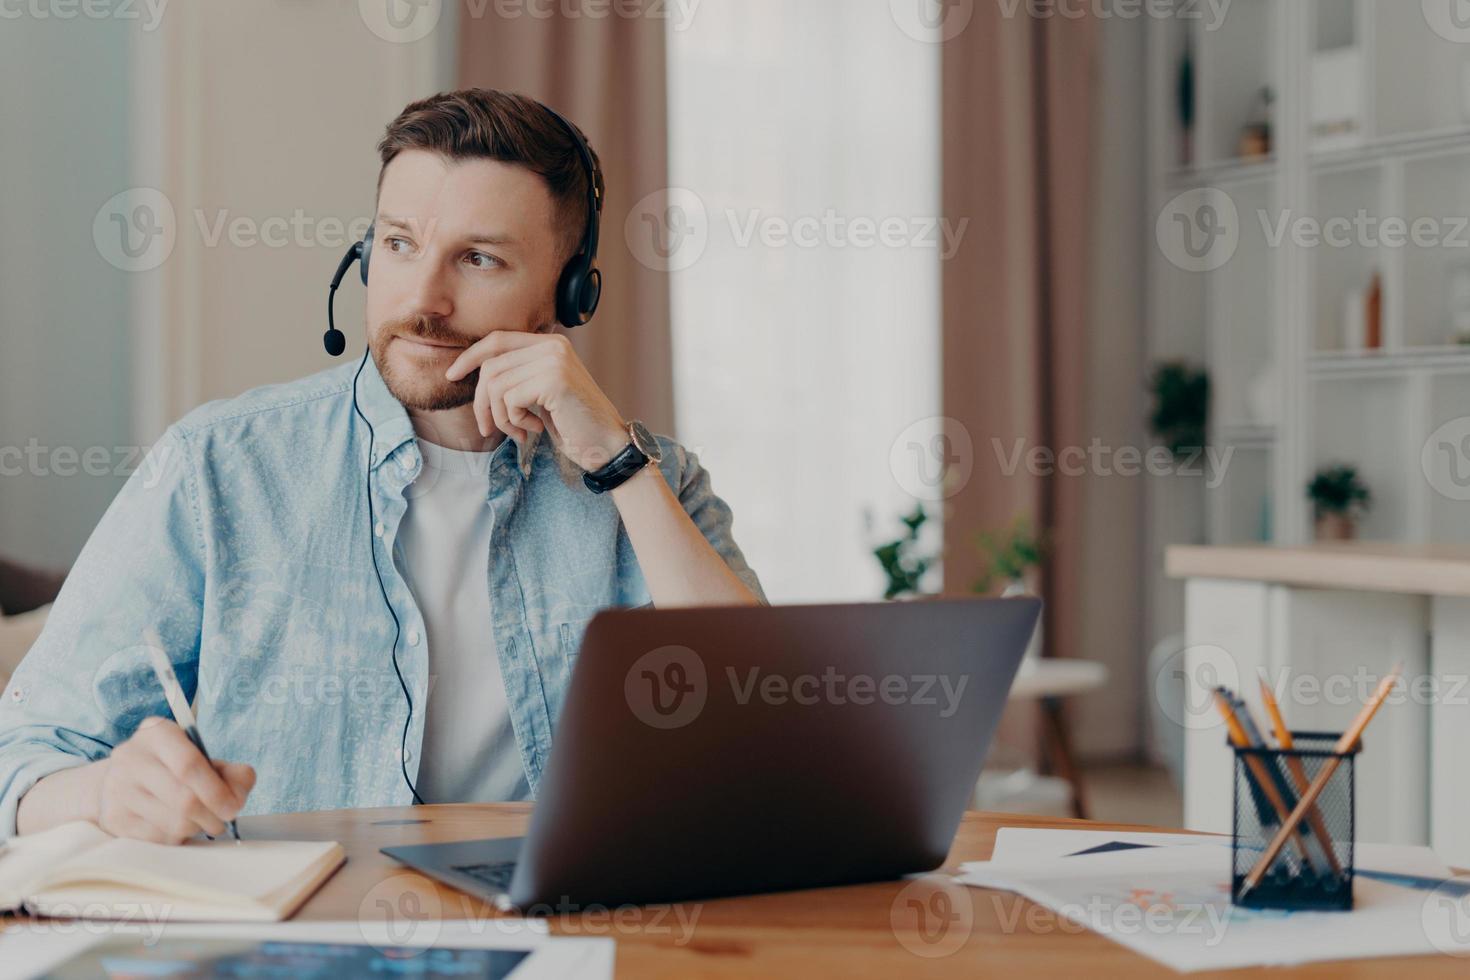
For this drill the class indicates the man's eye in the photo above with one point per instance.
(393, 241)
(482, 261)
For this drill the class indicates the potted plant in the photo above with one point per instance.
(1181, 406)
(1009, 554)
(904, 567)
(1339, 497)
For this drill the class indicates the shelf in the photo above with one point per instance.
(1384, 361)
(1226, 172)
(1247, 435)
(1409, 145)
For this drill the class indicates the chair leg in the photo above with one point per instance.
(1058, 740)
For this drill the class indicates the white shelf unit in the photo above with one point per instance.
(1289, 394)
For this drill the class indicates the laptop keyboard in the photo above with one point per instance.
(497, 876)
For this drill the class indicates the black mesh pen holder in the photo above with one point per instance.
(1314, 869)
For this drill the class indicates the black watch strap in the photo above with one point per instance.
(618, 471)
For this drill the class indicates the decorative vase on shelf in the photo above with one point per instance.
(1336, 527)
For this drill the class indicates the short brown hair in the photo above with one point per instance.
(504, 126)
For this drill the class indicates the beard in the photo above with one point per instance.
(422, 386)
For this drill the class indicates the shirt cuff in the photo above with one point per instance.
(33, 768)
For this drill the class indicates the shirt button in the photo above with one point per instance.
(413, 638)
(403, 755)
(378, 529)
(16, 694)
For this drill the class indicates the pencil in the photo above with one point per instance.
(1257, 766)
(1347, 743)
(1298, 771)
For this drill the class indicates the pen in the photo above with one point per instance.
(177, 702)
(1238, 737)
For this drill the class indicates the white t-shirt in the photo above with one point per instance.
(469, 749)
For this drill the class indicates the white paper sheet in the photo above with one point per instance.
(1171, 902)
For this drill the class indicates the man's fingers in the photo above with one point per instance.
(238, 776)
(493, 343)
(510, 360)
(191, 769)
(158, 797)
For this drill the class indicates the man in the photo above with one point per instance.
(254, 537)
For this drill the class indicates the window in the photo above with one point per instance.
(804, 159)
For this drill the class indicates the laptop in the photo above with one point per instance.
(709, 752)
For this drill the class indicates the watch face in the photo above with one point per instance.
(644, 440)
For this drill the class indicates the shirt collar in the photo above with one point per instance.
(392, 427)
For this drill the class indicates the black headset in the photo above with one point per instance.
(577, 293)
(578, 289)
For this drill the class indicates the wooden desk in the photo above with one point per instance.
(846, 932)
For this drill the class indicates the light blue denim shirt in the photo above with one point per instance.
(243, 538)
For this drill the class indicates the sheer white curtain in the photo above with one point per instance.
(801, 233)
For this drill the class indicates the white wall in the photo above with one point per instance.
(258, 112)
(64, 314)
(1111, 723)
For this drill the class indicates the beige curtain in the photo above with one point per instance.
(1018, 159)
(606, 74)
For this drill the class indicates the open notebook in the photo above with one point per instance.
(78, 870)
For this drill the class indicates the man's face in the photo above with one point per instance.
(461, 248)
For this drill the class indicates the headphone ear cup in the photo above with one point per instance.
(367, 251)
(577, 293)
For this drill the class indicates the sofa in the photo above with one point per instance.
(26, 594)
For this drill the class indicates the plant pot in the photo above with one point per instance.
(1336, 527)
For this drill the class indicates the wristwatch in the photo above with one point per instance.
(641, 450)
